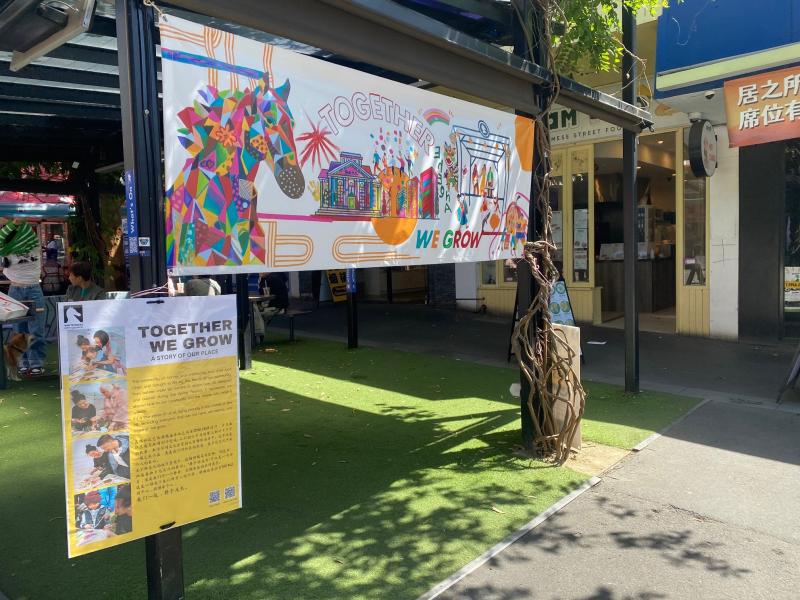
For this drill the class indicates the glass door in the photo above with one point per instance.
(582, 215)
(557, 206)
(791, 247)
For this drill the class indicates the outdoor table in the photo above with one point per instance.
(3, 326)
(89, 483)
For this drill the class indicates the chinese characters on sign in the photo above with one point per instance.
(763, 108)
(150, 399)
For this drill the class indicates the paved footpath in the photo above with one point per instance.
(694, 366)
(709, 510)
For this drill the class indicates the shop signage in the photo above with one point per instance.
(337, 281)
(351, 281)
(280, 161)
(763, 108)
(703, 148)
(150, 403)
(567, 126)
(131, 220)
(560, 306)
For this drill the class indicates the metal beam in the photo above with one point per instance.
(30, 153)
(12, 104)
(105, 26)
(40, 186)
(494, 11)
(55, 125)
(494, 27)
(87, 54)
(27, 91)
(629, 207)
(393, 37)
(60, 75)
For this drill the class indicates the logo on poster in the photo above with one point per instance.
(73, 316)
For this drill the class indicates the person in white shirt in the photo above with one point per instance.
(23, 268)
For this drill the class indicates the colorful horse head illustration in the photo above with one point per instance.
(212, 214)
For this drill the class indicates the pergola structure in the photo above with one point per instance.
(94, 101)
(66, 105)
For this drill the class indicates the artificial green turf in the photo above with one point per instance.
(367, 474)
(623, 420)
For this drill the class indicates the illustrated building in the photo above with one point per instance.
(348, 186)
(428, 202)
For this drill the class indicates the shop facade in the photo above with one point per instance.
(719, 256)
(675, 221)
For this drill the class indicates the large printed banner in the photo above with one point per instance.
(150, 398)
(280, 161)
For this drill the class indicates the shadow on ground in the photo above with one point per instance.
(373, 495)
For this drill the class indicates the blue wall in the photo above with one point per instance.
(700, 31)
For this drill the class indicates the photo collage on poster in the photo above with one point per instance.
(97, 398)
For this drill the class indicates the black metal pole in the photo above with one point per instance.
(352, 310)
(526, 285)
(148, 266)
(629, 206)
(352, 321)
(245, 326)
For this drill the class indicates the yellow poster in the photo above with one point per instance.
(150, 404)
(337, 280)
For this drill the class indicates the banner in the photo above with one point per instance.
(150, 402)
(280, 161)
(763, 108)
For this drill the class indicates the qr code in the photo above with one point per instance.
(213, 497)
(230, 492)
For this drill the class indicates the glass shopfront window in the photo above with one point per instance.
(580, 215)
(694, 222)
(791, 246)
(510, 270)
(489, 272)
(557, 206)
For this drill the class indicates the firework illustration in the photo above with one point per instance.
(318, 148)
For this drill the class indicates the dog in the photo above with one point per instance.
(18, 344)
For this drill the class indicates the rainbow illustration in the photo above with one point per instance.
(436, 115)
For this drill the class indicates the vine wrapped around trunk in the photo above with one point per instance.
(556, 399)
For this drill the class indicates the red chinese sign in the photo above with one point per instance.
(763, 108)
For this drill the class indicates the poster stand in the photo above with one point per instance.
(558, 297)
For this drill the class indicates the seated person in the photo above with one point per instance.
(82, 287)
(201, 285)
(273, 284)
